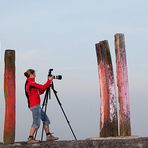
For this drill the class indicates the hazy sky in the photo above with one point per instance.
(62, 35)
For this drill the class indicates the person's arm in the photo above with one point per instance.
(42, 87)
(41, 91)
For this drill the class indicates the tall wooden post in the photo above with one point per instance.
(108, 109)
(9, 92)
(122, 83)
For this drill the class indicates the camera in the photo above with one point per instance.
(58, 77)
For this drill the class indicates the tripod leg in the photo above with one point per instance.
(35, 133)
(42, 133)
(44, 104)
(55, 93)
(44, 119)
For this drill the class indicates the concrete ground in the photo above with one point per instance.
(110, 142)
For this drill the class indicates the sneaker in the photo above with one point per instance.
(50, 137)
(31, 140)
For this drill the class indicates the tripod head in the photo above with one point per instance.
(58, 77)
(49, 73)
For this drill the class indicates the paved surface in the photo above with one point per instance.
(120, 142)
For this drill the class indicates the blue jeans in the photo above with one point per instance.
(38, 114)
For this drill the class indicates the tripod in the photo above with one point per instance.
(45, 102)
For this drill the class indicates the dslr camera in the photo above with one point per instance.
(58, 77)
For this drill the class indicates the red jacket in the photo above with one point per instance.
(34, 90)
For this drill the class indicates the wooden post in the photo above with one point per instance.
(9, 92)
(108, 109)
(122, 83)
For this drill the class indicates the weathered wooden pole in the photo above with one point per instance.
(9, 92)
(108, 109)
(122, 83)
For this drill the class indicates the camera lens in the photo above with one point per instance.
(59, 77)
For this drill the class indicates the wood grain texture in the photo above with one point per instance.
(108, 109)
(122, 83)
(9, 92)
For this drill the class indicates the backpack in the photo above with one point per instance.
(27, 94)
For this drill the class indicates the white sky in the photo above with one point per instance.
(62, 35)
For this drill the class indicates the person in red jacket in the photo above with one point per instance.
(33, 91)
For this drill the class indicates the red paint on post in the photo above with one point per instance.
(108, 115)
(122, 83)
(9, 91)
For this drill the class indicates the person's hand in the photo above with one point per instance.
(50, 78)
